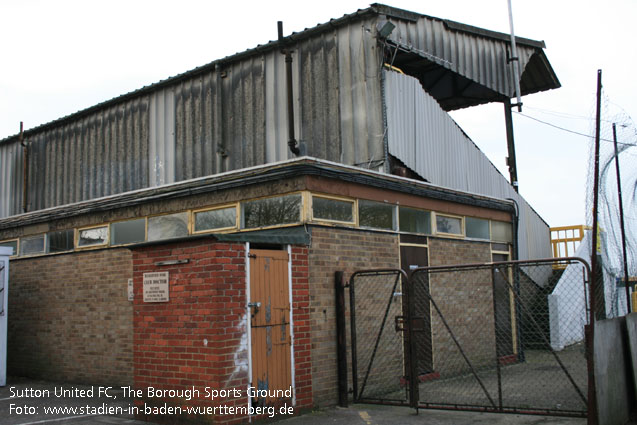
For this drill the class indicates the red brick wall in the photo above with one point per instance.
(70, 319)
(332, 250)
(199, 337)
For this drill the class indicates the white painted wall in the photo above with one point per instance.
(4, 301)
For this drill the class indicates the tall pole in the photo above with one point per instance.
(511, 161)
(514, 58)
(621, 219)
(594, 264)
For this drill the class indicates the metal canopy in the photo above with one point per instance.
(461, 65)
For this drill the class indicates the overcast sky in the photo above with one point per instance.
(59, 57)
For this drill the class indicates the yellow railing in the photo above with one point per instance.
(566, 239)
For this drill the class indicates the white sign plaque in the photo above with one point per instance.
(156, 287)
(131, 295)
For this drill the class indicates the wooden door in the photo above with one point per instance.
(270, 322)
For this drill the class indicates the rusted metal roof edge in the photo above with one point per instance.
(304, 166)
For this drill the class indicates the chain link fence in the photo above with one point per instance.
(507, 337)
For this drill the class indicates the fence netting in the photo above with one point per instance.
(500, 337)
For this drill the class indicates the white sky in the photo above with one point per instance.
(58, 57)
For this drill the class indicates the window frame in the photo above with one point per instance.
(110, 239)
(311, 217)
(193, 219)
(460, 235)
(303, 214)
(79, 230)
(189, 224)
(395, 218)
(431, 219)
(473, 238)
(16, 252)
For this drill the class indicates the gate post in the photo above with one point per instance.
(341, 340)
(413, 369)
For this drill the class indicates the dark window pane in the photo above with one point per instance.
(11, 244)
(376, 215)
(477, 228)
(131, 231)
(272, 211)
(32, 245)
(332, 209)
(451, 225)
(94, 236)
(415, 221)
(168, 226)
(60, 241)
(215, 219)
(499, 247)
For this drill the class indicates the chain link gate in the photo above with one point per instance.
(500, 337)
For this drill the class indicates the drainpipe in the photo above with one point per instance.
(292, 143)
(25, 168)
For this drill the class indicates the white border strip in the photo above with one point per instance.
(248, 325)
(291, 325)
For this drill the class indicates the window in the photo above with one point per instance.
(93, 236)
(32, 245)
(477, 228)
(11, 244)
(218, 218)
(501, 231)
(332, 209)
(60, 241)
(448, 225)
(414, 221)
(126, 232)
(271, 211)
(168, 226)
(376, 215)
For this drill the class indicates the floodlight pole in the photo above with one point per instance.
(621, 219)
(594, 266)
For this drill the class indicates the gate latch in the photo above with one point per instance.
(400, 323)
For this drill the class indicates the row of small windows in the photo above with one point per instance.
(266, 212)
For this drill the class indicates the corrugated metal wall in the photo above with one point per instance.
(428, 141)
(11, 179)
(231, 117)
(481, 59)
(98, 155)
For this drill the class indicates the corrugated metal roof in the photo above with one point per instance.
(374, 10)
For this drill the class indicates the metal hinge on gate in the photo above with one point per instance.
(400, 323)
(252, 255)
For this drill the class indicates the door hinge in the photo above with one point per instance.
(252, 255)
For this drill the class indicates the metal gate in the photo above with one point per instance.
(499, 337)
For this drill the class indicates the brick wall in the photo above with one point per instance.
(70, 319)
(338, 249)
(466, 301)
(199, 337)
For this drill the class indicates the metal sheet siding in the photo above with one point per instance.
(360, 103)
(230, 117)
(427, 140)
(98, 155)
(161, 147)
(481, 59)
(11, 179)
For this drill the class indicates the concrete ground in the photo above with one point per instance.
(29, 402)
